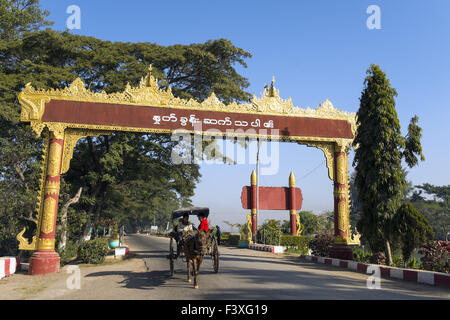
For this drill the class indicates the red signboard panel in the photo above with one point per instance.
(165, 118)
(271, 198)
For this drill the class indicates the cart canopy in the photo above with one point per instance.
(191, 211)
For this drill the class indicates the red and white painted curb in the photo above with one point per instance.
(420, 276)
(121, 251)
(268, 248)
(8, 266)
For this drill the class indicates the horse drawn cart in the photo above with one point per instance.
(176, 249)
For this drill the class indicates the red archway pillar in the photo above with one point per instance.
(254, 203)
(45, 260)
(341, 248)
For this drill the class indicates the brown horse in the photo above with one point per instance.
(198, 242)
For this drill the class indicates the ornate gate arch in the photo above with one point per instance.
(64, 116)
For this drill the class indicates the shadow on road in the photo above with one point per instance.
(137, 280)
(242, 276)
(151, 254)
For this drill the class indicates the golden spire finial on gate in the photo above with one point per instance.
(291, 180)
(253, 178)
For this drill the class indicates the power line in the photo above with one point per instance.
(312, 170)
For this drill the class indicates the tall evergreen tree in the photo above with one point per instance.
(412, 229)
(380, 148)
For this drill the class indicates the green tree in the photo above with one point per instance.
(19, 16)
(379, 150)
(327, 221)
(436, 210)
(355, 204)
(20, 151)
(412, 229)
(271, 231)
(313, 223)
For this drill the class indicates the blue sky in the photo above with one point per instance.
(316, 50)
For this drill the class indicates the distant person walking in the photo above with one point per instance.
(218, 234)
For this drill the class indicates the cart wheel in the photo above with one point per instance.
(215, 255)
(171, 257)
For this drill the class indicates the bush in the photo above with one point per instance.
(271, 232)
(298, 242)
(397, 261)
(412, 229)
(321, 244)
(224, 236)
(436, 256)
(70, 252)
(361, 255)
(413, 263)
(233, 240)
(93, 251)
(8, 246)
(378, 258)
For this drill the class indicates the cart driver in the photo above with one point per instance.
(184, 227)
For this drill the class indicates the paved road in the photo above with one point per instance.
(248, 274)
(243, 274)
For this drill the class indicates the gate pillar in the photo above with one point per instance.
(254, 203)
(45, 259)
(342, 234)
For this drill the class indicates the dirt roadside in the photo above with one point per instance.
(21, 286)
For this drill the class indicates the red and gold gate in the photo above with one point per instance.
(64, 116)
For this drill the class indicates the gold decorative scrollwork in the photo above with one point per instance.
(56, 130)
(342, 214)
(71, 137)
(33, 103)
(48, 218)
(299, 225)
(354, 239)
(249, 228)
(23, 242)
(46, 244)
(52, 188)
(54, 159)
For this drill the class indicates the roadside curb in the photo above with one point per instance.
(268, 248)
(8, 266)
(419, 276)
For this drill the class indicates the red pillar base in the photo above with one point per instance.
(44, 262)
(341, 251)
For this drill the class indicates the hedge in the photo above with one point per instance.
(300, 242)
(233, 240)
